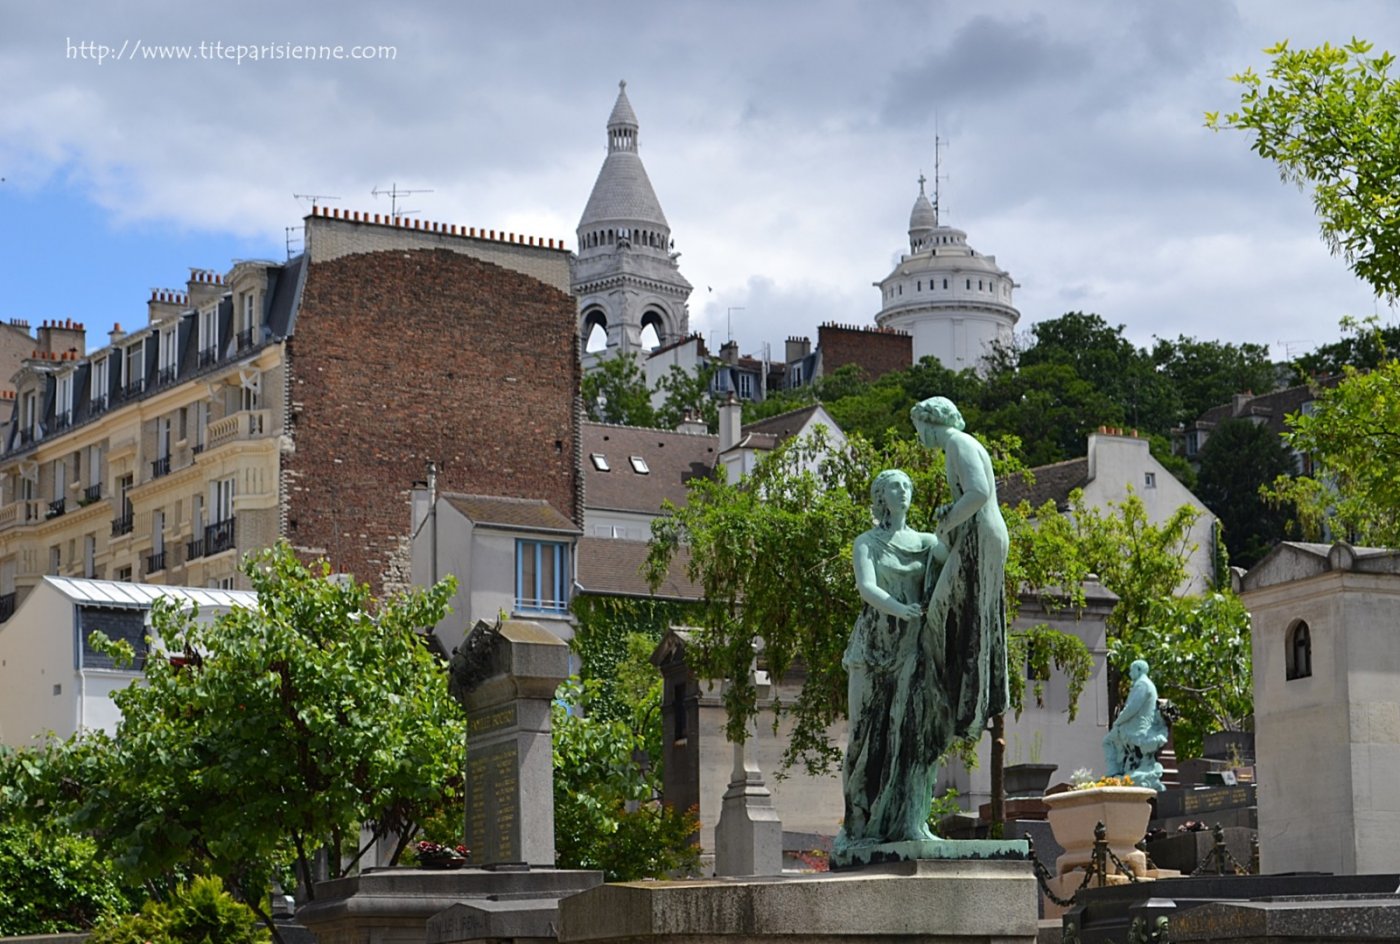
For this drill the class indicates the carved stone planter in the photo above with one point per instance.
(1124, 811)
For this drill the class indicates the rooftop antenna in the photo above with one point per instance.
(315, 198)
(938, 145)
(394, 193)
(291, 238)
(729, 318)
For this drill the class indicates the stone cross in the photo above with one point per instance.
(749, 835)
(505, 676)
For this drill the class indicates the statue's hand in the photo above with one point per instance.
(909, 611)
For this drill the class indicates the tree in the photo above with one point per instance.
(1238, 460)
(1207, 373)
(616, 392)
(1329, 118)
(686, 394)
(53, 881)
(274, 731)
(1353, 440)
(1049, 408)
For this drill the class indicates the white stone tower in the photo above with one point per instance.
(954, 300)
(625, 275)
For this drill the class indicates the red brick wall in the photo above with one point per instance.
(876, 350)
(401, 357)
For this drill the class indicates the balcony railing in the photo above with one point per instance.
(155, 562)
(134, 389)
(122, 525)
(7, 606)
(57, 507)
(219, 537)
(194, 549)
(197, 448)
(21, 512)
(166, 375)
(92, 493)
(96, 407)
(160, 467)
(62, 421)
(245, 424)
(208, 356)
(245, 339)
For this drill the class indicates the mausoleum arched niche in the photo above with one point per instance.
(653, 329)
(1298, 651)
(595, 330)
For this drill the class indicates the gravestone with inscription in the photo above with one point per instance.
(505, 677)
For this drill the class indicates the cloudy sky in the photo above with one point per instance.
(783, 139)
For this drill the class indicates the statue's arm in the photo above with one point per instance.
(1140, 700)
(867, 583)
(977, 486)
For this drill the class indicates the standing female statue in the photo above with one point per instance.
(927, 658)
(965, 617)
(892, 748)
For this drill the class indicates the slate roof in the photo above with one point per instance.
(613, 567)
(1052, 483)
(1271, 409)
(672, 460)
(516, 514)
(768, 433)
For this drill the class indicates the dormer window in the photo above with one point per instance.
(169, 355)
(135, 367)
(208, 336)
(639, 465)
(63, 402)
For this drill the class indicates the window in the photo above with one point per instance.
(208, 336)
(30, 413)
(600, 462)
(745, 387)
(221, 499)
(945, 283)
(1150, 479)
(201, 424)
(542, 575)
(161, 465)
(63, 402)
(55, 559)
(796, 376)
(248, 392)
(639, 465)
(124, 574)
(90, 556)
(1298, 658)
(169, 355)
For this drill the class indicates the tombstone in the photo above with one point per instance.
(504, 676)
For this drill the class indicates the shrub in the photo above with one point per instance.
(198, 913)
(53, 883)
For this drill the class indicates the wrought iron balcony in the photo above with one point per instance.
(92, 493)
(155, 562)
(194, 549)
(134, 389)
(96, 407)
(57, 507)
(219, 537)
(122, 525)
(208, 356)
(245, 339)
(62, 421)
(160, 467)
(166, 375)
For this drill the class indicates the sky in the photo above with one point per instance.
(784, 142)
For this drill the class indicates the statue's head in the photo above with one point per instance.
(884, 497)
(937, 411)
(1138, 669)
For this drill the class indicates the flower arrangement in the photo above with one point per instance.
(1083, 779)
(435, 855)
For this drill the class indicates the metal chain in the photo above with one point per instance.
(1220, 855)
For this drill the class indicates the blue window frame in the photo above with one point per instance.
(542, 575)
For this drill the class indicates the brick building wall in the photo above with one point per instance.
(876, 350)
(402, 357)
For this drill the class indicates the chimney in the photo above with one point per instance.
(203, 287)
(165, 303)
(729, 352)
(1239, 401)
(116, 334)
(730, 422)
(797, 348)
(692, 425)
(56, 337)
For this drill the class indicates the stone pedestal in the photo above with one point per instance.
(919, 902)
(749, 835)
(418, 906)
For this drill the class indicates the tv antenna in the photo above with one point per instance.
(938, 145)
(394, 193)
(729, 318)
(315, 198)
(291, 238)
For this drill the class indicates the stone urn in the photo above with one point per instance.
(1023, 780)
(1124, 811)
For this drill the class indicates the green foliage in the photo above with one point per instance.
(277, 730)
(944, 804)
(1207, 373)
(616, 392)
(198, 913)
(1329, 118)
(1353, 438)
(51, 881)
(1361, 349)
(1238, 460)
(1199, 652)
(606, 812)
(607, 630)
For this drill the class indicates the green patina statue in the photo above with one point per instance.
(1137, 734)
(927, 658)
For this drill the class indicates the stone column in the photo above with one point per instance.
(749, 835)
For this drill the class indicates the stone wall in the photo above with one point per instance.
(402, 357)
